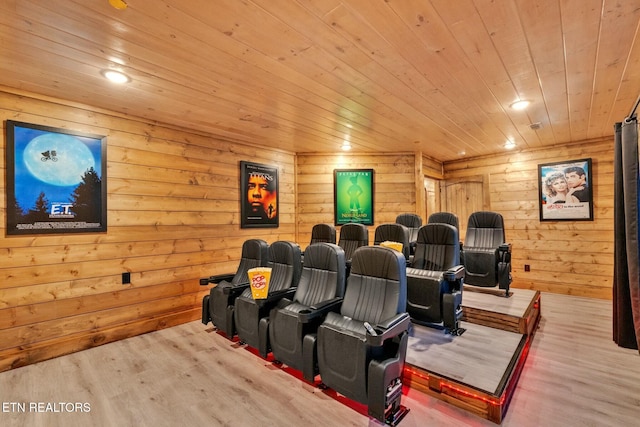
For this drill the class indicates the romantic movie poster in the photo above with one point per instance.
(566, 191)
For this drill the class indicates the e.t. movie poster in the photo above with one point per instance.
(56, 180)
(353, 196)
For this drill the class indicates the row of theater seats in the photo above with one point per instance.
(438, 263)
(352, 331)
(485, 254)
(343, 311)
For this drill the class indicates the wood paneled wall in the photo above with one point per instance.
(566, 257)
(173, 217)
(394, 187)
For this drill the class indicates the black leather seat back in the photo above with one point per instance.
(437, 248)
(409, 220)
(444, 218)
(484, 230)
(323, 233)
(393, 232)
(413, 222)
(255, 253)
(353, 236)
(323, 274)
(286, 265)
(376, 288)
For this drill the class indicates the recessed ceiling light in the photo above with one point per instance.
(118, 4)
(346, 145)
(509, 145)
(519, 105)
(115, 76)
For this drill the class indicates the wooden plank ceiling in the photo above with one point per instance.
(435, 76)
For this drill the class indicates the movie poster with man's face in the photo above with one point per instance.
(565, 191)
(259, 195)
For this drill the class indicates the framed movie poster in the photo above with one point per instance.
(566, 191)
(56, 180)
(258, 195)
(353, 196)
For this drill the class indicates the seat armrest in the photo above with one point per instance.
(505, 247)
(454, 273)
(330, 302)
(504, 252)
(227, 277)
(235, 289)
(283, 303)
(318, 310)
(389, 329)
(276, 296)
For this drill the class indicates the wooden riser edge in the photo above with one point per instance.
(482, 404)
(29, 354)
(478, 403)
(522, 325)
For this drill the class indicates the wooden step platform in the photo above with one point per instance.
(477, 371)
(489, 307)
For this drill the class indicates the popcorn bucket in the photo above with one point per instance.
(259, 279)
(397, 246)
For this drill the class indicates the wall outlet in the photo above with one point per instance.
(126, 278)
(527, 267)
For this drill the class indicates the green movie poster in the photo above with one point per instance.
(353, 196)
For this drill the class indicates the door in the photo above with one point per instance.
(431, 196)
(463, 196)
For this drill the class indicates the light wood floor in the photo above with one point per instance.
(185, 376)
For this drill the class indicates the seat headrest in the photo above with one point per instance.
(393, 232)
(324, 256)
(378, 261)
(439, 234)
(255, 249)
(323, 233)
(485, 219)
(409, 220)
(283, 252)
(354, 231)
(444, 218)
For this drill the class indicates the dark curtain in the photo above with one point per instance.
(626, 283)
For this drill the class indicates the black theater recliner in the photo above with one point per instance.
(487, 258)
(217, 307)
(323, 233)
(435, 280)
(413, 222)
(252, 316)
(393, 232)
(361, 350)
(352, 236)
(320, 290)
(444, 218)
